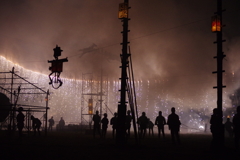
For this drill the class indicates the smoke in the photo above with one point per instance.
(171, 41)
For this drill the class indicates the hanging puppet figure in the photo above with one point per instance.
(56, 68)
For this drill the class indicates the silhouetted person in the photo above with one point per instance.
(174, 125)
(45, 117)
(229, 127)
(96, 124)
(150, 127)
(61, 124)
(51, 123)
(128, 123)
(160, 122)
(143, 122)
(20, 121)
(36, 124)
(113, 122)
(216, 128)
(236, 127)
(104, 122)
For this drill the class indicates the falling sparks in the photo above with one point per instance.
(66, 101)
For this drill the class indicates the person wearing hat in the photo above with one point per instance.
(20, 121)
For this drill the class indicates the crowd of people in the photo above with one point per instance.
(100, 125)
(36, 123)
(173, 122)
(218, 128)
(143, 122)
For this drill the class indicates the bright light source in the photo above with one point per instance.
(90, 106)
(123, 10)
(216, 23)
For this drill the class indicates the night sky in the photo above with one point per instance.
(170, 40)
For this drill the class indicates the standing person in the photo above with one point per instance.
(160, 122)
(20, 121)
(128, 123)
(104, 122)
(61, 124)
(229, 127)
(174, 125)
(51, 123)
(96, 124)
(150, 127)
(113, 122)
(236, 127)
(143, 122)
(36, 124)
(216, 128)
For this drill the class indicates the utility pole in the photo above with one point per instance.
(122, 107)
(46, 116)
(217, 28)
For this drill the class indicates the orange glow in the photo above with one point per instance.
(216, 24)
(90, 106)
(123, 10)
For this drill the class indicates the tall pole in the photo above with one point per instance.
(220, 70)
(122, 107)
(46, 116)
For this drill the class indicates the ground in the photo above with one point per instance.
(78, 145)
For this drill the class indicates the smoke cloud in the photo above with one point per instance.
(171, 41)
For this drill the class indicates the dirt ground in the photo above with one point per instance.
(76, 145)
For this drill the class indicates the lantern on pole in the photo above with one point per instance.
(123, 10)
(90, 106)
(216, 23)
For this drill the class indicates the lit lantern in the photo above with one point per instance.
(90, 106)
(123, 10)
(216, 23)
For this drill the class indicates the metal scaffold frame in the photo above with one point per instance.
(94, 95)
(8, 87)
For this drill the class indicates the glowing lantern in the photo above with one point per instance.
(216, 23)
(123, 10)
(90, 106)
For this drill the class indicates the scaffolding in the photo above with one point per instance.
(94, 97)
(8, 86)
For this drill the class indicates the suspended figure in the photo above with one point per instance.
(56, 68)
